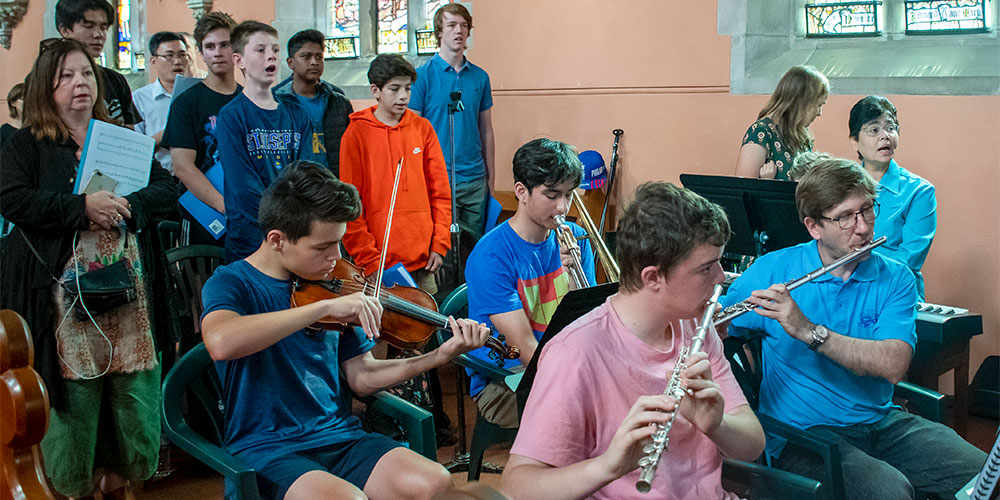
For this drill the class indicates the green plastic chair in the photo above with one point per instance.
(745, 357)
(485, 433)
(195, 374)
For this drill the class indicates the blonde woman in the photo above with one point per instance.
(782, 128)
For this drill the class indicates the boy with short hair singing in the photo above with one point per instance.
(258, 136)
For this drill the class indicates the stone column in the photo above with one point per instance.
(11, 12)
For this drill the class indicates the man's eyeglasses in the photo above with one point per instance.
(876, 130)
(850, 220)
(170, 56)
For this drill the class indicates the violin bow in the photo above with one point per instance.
(388, 227)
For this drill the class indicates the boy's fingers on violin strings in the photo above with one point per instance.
(467, 330)
(483, 332)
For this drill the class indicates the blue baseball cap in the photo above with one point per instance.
(595, 174)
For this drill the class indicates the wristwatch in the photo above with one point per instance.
(819, 333)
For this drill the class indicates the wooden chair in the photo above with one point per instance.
(24, 413)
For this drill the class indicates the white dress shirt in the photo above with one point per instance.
(153, 104)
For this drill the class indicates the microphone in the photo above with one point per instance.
(456, 102)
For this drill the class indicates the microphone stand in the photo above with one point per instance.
(611, 177)
(455, 106)
(460, 462)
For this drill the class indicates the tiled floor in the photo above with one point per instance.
(191, 481)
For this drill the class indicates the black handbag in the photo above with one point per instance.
(100, 290)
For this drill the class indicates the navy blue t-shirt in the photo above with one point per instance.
(254, 145)
(287, 397)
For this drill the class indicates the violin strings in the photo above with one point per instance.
(404, 306)
(394, 301)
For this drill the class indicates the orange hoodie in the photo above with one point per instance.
(369, 152)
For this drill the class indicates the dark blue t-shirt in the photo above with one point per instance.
(254, 145)
(287, 397)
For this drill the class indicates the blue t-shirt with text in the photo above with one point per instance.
(254, 145)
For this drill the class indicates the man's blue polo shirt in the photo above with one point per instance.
(805, 388)
(429, 96)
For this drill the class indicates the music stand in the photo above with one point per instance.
(576, 303)
(762, 212)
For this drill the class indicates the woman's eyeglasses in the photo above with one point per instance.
(876, 130)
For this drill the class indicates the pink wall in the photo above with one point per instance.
(576, 70)
(17, 61)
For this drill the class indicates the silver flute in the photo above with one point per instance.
(739, 308)
(661, 437)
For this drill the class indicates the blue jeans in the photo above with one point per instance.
(893, 457)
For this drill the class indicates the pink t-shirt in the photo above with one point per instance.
(590, 375)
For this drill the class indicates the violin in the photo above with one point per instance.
(24, 408)
(409, 314)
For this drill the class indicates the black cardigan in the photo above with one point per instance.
(36, 194)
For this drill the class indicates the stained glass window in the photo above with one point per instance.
(392, 26)
(430, 8)
(945, 16)
(842, 19)
(344, 30)
(124, 51)
(426, 41)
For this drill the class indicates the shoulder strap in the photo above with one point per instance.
(39, 257)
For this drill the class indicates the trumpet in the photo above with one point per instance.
(739, 308)
(567, 239)
(611, 269)
(661, 437)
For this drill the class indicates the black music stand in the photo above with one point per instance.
(762, 212)
(576, 303)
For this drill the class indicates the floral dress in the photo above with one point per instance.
(764, 133)
(125, 333)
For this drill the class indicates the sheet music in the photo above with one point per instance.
(120, 153)
(182, 83)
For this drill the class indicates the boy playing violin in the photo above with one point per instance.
(287, 414)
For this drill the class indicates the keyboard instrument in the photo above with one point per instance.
(940, 323)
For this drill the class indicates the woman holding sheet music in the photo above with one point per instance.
(87, 349)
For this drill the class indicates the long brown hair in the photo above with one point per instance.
(41, 115)
(801, 88)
